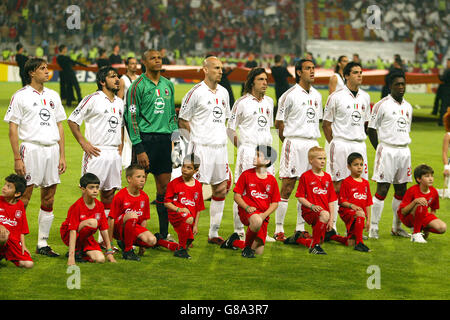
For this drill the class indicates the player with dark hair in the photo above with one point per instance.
(413, 210)
(337, 80)
(257, 195)
(297, 121)
(84, 218)
(151, 120)
(35, 116)
(102, 143)
(184, 202)
(125, 82)
(344, 123)
(389, 128)
(252, 115)
(13, 223)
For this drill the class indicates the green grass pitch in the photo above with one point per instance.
(283, 272)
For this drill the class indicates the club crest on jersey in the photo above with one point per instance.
(196, 196)
(18, 214)
(268, 188)
(132, 108)
(166, 91)
(97, 216)
(52, 105)
(142, 204)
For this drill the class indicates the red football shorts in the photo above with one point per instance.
(119, 229)
(245, 216)
(89, 244)
(12, 251)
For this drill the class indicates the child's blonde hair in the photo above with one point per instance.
(312, 153)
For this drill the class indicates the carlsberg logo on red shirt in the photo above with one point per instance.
(187, 202)
(360, 196)
(317, 190)
(138, 212)
(258, 195)
(5, 220)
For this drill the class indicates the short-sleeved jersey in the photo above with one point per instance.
(184, 196)
(103, 118)
(318, 190)
(348, 114)
(355, 192)
(207, 112)
(150, 108)
(414, 192)
(301, 112)
(13, 218)
(257, 192)
(78, 212)
(36, 114)
(392, 121)
(123, 202)
(253, 118)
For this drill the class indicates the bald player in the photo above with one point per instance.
(202, 121)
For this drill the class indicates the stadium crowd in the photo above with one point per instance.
(231, 28)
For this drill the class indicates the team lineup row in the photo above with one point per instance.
(133, 120)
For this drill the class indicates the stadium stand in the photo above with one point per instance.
(230, 28)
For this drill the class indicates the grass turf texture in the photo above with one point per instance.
(283, 272)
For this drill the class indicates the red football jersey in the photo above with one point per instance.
(184, 196)
(354, 192)
(256, 192)
(318, 190)
(13, 218)
(414, 193)
(79, 212)
(123, 202)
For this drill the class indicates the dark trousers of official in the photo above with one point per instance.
(71, 83)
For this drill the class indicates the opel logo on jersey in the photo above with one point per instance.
(44, 114)
(310, 113)
(356, 116)
(217, 112)
(159, 103)
(113, 122)
(262, 121)
(401, 122)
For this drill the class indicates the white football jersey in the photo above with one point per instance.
(340, 82)
(301, 112)
(392, 121)
(103, 119)
(253, 118)
(348, 113)
(36, 114)
(207, 112)
(127, 83)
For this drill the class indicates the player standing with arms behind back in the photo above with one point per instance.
(35, 116)
(344, 121)
(204, 111)
(151, 120)
(253, 115)
(297, 121)
(389, 128)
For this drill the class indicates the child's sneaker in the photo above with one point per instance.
(418, 238)
(362, 247)
(248, 252)
(317, 250)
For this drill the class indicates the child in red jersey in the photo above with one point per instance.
(316, 194)
(184, 201)
(129, 213)
(13, 223)
(85, 216)
(257, 195)
(413, 210)
(355, 201)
